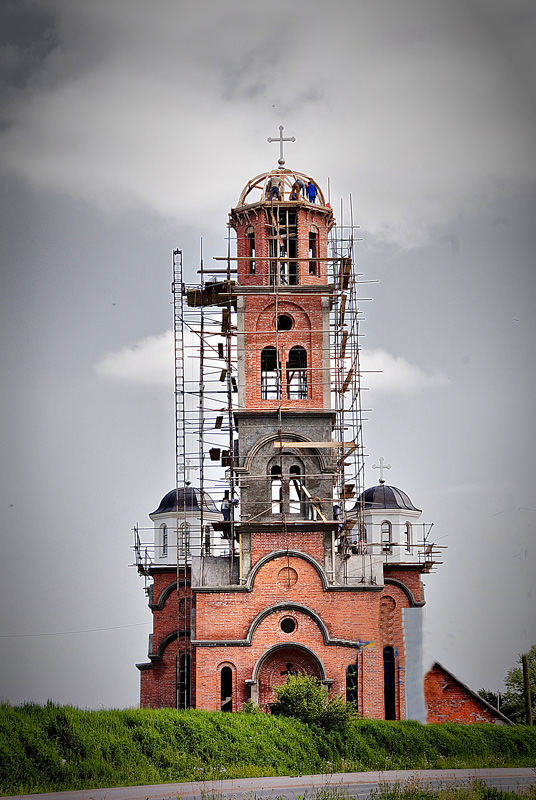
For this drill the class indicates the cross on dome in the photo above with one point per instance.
(381, 466)
(187, 469)
(281, 139)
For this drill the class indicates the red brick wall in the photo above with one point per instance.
(260, 313)
(158, 683)
(447, 700)
(409, 578)
(264, 543)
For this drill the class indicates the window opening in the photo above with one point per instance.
(226, 689)
(294, 491)
(351, 683)
(297, 374)
(207, 540)
(288, 625)
(184, 681)
(250, 237)
(389, 682)
(408, 537)
(313, 251)
(284, 322)
(283, 243)
(386, 537)
(164, 530)
(277, 490)
(270, 375)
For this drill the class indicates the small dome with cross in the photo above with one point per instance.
(384, 496)
(281, 185)
(185, 499)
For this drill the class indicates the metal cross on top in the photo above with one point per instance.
(281, 139)
(187, 469)
(381, 466)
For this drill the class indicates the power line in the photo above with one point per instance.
(68, 633)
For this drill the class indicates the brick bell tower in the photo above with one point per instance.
(303, 577)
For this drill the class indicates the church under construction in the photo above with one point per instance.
(270, 556)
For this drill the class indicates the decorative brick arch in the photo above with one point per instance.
(286, 554)
(285, 436)
(274, 666)
(265, 319)
(292, 608)
(159, 604)
(409, 594)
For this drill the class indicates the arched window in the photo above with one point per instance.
(226, 689)
(297, 374)
(277, 490)
(386, 537)
(313, 250)
(185, 683)
(250, 240)
(283, 246)
(270, 375)
(294, 490)
(164, 539)
(389, 682)
(351, 683)
(408, 537)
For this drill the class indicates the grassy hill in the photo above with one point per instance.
(55, 748)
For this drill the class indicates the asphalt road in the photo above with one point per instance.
(348, 784)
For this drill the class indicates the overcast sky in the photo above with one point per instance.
(129, 128)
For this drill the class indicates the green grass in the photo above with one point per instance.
(55, 748)
(478, 790)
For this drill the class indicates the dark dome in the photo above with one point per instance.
(384, 496)
(185, 499)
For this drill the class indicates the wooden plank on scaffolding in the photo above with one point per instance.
(271, 258)
(342, 310)
(215, 271)
(315, 503)
(350, 445)
(345, 456)
(349, 377)
(344, 340)
(344, 273)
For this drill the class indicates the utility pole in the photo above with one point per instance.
(526, 687)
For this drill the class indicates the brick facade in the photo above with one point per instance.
(449, 700)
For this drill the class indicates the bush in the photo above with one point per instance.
(304, 698)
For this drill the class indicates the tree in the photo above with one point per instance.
(306, 699)
(512, 702)
(514, 696)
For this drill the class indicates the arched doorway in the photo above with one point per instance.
(281, 662)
